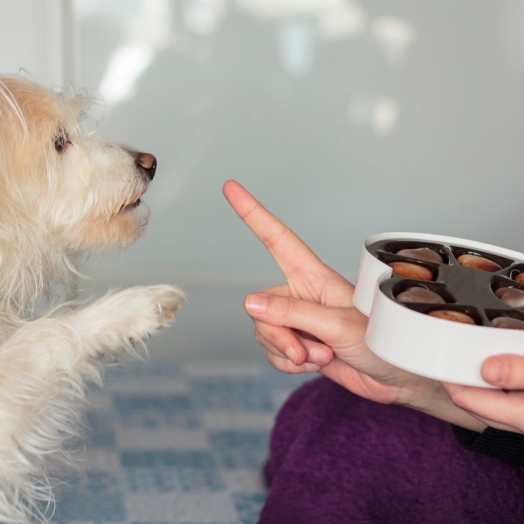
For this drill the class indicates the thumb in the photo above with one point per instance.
(506, 371)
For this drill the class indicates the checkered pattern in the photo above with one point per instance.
(176, 445)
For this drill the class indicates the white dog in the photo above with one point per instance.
(62, 193)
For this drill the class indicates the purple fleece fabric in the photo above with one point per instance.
(336, 458)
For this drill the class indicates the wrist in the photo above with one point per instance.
(429, 396)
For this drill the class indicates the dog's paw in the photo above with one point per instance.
(110, 323)
(169, 300)
(149, 308)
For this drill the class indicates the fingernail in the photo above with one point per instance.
(311, 367)
(256, 302)
(317, 355)
(291, 353)
(496, 372)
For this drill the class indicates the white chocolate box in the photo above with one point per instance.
(405, 336)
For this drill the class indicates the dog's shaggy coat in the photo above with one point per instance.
(62, 193)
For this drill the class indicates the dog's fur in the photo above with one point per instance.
(62, 193)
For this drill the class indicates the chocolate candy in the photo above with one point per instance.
(508, 323)
(428, 278)
(453, 316)
(407, 270)
(420, 295)
(422, 253)
(477, 262)
(511, 296)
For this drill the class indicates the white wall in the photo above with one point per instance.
(345, 117)
(31, 35)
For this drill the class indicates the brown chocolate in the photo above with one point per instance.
(519, 278)
(407, 270)
(420, 295)
(511, 296)
(507, 323)
(478, 262)
(453, 316)
(422, 253)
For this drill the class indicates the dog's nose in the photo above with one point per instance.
(147, 163)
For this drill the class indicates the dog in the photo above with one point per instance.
(64, 193)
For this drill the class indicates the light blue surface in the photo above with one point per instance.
(176, 445)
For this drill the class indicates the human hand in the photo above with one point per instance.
(498, 408)
(310, 323)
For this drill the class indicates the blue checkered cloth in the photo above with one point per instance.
(176, 444)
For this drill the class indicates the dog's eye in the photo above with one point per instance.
(61, 141)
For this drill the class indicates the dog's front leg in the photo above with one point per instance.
(116, 323)
(43, 368)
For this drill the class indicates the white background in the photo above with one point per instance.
(345, 118)
(31, 38)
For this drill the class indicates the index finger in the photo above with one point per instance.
(289, 252)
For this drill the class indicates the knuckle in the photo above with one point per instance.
(280, 364)
(258, 336)
(270, 338)
(271, 239)
(278, 340)
(341, 318)
(288, 308)
(281, 308)
(277, 362)
(459, 399)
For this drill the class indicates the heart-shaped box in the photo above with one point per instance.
(407, 336)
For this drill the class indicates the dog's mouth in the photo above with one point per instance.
(129, 207)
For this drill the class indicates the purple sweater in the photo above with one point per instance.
(336, 458)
